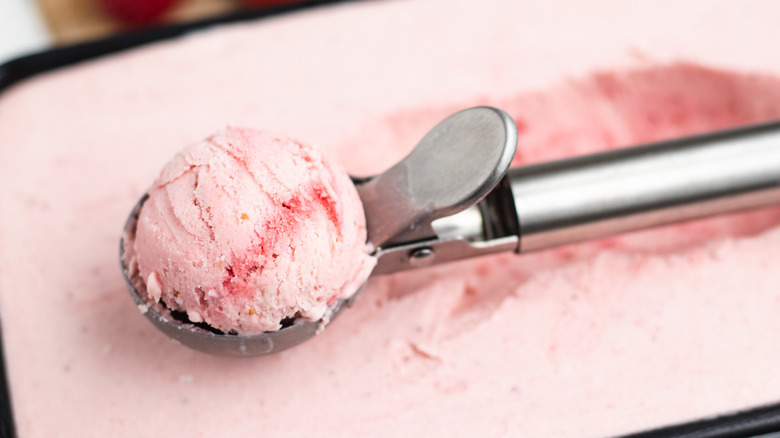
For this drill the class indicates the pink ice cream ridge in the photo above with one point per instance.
(246, 229)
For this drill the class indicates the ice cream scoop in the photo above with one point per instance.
(454, 197)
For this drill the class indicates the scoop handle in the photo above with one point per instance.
(558, 203)
(629, 189)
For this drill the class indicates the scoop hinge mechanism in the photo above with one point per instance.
(446, 200)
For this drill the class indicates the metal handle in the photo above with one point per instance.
(600, 195)
(553, 204)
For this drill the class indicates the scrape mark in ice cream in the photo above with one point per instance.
(604, 111)
(412, 360)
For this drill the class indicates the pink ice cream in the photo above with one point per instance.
(248, 228)
(599, 339)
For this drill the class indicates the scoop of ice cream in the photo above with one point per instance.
(248, 228)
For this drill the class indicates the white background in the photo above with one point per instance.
(22, 29)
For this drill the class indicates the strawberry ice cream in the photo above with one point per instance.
(598, 339)
(247, 229)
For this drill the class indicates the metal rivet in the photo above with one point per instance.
(421, 257)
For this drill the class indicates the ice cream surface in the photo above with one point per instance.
(248, 228)
(598, 339)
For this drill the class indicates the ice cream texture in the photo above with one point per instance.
(248, 228)
(599, 339)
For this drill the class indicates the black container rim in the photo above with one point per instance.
(754, 422)
(23, 67)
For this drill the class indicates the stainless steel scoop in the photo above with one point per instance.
(454, 197)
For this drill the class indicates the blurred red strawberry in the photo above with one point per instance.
(136, 12)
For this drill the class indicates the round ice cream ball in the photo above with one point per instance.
(248, 228)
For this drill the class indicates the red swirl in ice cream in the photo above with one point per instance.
(247, 228)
